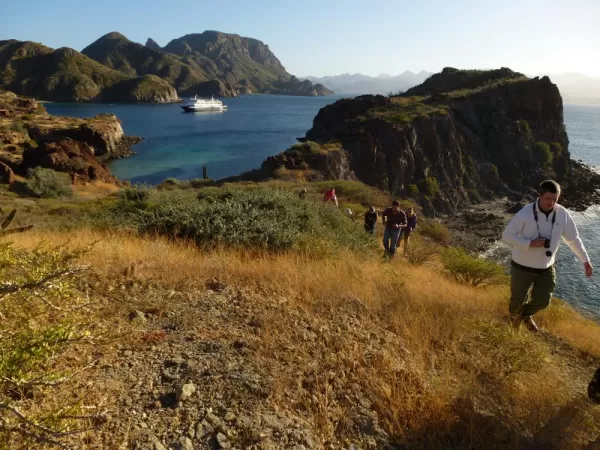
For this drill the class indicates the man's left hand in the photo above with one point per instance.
(588, 269)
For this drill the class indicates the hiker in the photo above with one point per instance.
(394, 220)
(535, 232)
(330, 197)
(302, 194)
(370, 220)
(411, 224)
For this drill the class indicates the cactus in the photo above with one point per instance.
(6, 222)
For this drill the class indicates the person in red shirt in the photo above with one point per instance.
(330, 197)
(394, 220)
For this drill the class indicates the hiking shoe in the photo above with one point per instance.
(515, 320)
(530, 324)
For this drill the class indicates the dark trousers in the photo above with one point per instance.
(541, 284)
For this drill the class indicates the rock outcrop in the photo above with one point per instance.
(453, 148)
(31, 138)
(66, 155)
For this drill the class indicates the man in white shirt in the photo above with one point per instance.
(535, 233)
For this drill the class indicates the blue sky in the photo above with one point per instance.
(329, 37)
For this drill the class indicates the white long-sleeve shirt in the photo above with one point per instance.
(522, 229)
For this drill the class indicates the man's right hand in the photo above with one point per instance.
(537, 243)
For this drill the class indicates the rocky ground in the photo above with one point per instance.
(205, 370)
(478, 227)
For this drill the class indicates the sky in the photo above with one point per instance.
(330, 37)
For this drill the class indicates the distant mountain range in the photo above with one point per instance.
(113, 68)
(364, 84)
(574, 87)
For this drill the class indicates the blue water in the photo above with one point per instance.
(178, 144)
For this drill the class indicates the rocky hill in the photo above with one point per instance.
(31, 69)
(115, 69)
(460, 137)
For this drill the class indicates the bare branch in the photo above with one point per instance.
(8, 289)
(15, 230)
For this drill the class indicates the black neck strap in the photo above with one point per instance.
(535, 216)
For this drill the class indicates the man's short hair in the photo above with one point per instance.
(395, 203)
(549, 186)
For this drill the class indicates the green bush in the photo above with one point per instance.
(413, 190)
(420, 251)
(471, 270)
(48, 183)
(18, 127)
(434, 230)
(261, 218)
(138, 193)
(431, 186)
(544, 153)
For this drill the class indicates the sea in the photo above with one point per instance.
(178, 144)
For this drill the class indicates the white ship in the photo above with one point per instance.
(199, 104)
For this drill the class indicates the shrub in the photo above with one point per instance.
(261, 218)
(471, 270)
(431, 186)
(18, 127)
(434, 230)
(48, 183)
(138, 193)
(544, 153)
(38, 296)
(420, 251)
(413, 190)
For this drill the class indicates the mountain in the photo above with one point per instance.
(115, 69)
(240, 61)
(364, 84)
(459, 137)
(32, 69)
(119, 53)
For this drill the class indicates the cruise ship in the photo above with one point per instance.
(199, 104)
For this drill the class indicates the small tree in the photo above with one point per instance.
(471, 270)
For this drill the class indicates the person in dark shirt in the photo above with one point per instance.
(394, 220)
(411, 224)
(370, 220)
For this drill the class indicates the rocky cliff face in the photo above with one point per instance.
(453, 148)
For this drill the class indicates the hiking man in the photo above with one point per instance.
(330, 197)
(411, 224)
(535, 232)
(370, 220)
(394, 220)
(302, 194)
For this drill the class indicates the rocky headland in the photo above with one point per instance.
(30, 137)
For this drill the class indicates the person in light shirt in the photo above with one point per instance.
(535, 233)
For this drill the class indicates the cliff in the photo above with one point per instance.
(30, 137)
(476, 135)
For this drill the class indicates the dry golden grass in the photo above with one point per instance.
(444, 369)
